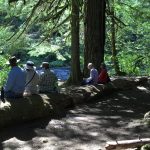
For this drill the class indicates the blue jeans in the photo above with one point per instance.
(85, 82)
(11, 94)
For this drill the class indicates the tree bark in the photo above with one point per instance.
(75, 50)
(94, 33)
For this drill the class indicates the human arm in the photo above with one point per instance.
(92, 75)
(41, 77)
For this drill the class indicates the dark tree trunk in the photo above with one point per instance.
(94, 33)
(75, 50)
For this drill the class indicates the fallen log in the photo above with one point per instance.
(52, 104)
(14, 111)
(121, 145)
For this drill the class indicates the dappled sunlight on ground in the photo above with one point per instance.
(86, 127)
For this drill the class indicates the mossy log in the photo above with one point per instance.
(43, 105)
(147, 118)
(33, 107)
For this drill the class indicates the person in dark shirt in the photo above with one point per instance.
(103, 77)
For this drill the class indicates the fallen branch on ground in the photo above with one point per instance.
(117, 145)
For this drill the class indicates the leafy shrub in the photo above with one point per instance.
(14, 45)
(145, 147)
(3, 70)
(57, 63)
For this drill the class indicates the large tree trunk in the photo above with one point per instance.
(94, 33)
(75, 52)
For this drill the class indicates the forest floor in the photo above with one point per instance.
(86, 127)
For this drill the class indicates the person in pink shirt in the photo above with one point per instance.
(103, 77)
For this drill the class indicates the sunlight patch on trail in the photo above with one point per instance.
(143, 89)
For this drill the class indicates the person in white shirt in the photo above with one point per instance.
(32, 79)
(48, 80)
(93, 75)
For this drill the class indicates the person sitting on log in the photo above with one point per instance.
(48, 80)
(15, 84)
(103, 77)
(32, 79)
(93, 75)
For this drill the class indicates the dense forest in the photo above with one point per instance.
(83, 41)
(75, 32)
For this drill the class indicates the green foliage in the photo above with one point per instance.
(134, 62)
(50, 21)
(57, 63)
(3, 70)
(132, 36)
(12, 47)
(56, 52)
(145, 147)
(36, 19)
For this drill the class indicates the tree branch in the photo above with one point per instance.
(53, 29)
(26, 23)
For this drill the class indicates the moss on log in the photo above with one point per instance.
(33, 107)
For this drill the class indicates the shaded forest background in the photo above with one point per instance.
(75, 32)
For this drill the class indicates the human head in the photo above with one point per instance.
(90, 66)
(29, 65)
(13, 61)
(102, 66)
(45, 65)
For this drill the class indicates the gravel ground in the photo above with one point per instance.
(86, 127)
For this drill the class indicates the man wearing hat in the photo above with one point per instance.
(15, 84)
(48, 80)
(32, 79)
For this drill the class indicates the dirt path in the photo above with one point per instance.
(86, 127)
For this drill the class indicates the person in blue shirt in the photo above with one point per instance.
(15, 84)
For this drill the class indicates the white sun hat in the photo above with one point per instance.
(30, 65)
